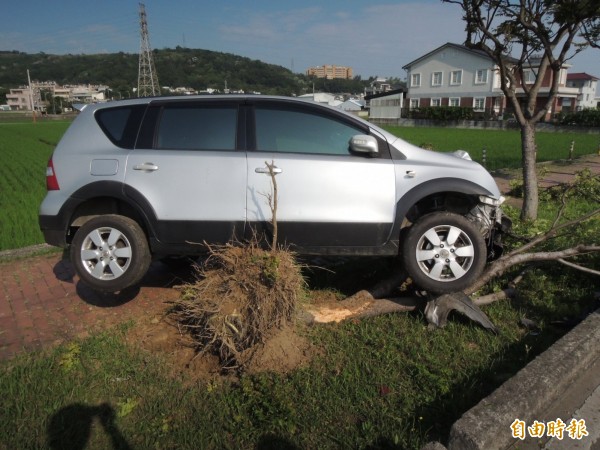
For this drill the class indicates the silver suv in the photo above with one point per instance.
(137, 179)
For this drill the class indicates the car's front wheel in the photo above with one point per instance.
(110, 253)
(444, 252)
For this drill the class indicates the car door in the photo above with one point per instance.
(327, 196)
(188, 171)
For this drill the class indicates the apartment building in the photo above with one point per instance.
(20, 99)
(330, 72)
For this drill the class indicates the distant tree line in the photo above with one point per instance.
(180, 67)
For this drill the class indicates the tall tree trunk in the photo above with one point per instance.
(530, 186)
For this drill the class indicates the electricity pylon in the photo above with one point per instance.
(147, 77)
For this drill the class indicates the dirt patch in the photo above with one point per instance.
(285, 351)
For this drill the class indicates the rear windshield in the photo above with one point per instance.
(121, 124)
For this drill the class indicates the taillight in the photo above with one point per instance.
(51, 180)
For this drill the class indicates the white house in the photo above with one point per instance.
(454, 75)
(587, 85)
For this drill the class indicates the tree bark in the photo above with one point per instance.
(530, 185)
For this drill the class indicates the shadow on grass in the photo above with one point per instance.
(71, 427)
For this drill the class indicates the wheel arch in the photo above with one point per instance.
(107, 197)
(441, 194)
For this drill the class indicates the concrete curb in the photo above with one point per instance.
(7, 255)
(486, 426)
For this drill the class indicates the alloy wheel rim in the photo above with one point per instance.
(106, 253)
(445, 253)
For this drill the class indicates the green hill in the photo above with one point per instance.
(179, 67)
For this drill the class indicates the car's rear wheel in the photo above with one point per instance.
(110, 253)
(444, 252)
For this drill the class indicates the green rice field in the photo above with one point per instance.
(503, 147)
(24, 151)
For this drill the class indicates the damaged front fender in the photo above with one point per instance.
(492, 223)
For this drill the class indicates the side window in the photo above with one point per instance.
(121, 125)
(295, 131)
(197, 127)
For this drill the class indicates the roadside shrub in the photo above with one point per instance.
(442, 113)
(585, 187)
(583, 118)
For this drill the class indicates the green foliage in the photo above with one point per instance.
(3, 92)
(443, 113)
(583, 118)
(586, 186)
(270, 268)
(70, 358)
(126, 406)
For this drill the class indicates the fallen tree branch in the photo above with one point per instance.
(496, 296)
(501, 265)
(578, 267)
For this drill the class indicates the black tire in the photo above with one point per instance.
(110, 253)
(444, 252)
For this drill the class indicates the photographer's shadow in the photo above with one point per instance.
(70, 428)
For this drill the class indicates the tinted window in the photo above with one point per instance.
(121, 124)
(297, 131)
(197, 128)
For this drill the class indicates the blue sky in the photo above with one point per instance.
(373, 37)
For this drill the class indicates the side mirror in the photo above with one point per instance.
(362, 143)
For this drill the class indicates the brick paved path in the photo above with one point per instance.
(43, 303)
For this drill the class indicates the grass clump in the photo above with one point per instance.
(241, 296)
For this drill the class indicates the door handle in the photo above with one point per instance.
(146, 167)
(276, 170)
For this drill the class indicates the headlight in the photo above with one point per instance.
(491, 201)
(462, 154)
